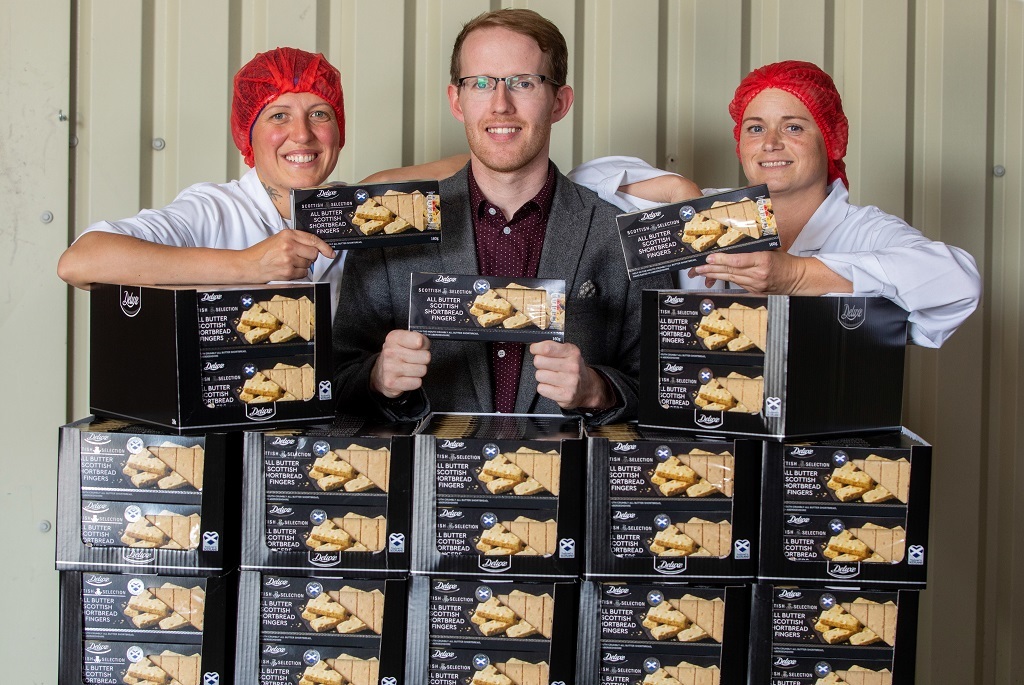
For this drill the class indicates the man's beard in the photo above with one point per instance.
(506, 158)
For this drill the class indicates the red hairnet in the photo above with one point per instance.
(815, 89)
(269, 75)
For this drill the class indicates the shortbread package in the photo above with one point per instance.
(846, 511)
(499, 494)
(126, 629)
(212, 357)
(369, 215)
(490, 308)
(320, 630)
(665, 505)
(801, 636)
(663, 633)
(770, 366)
(331, 500)
(491, 631)
(682, 235)
(131, 497)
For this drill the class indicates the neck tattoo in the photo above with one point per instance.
(273, 192)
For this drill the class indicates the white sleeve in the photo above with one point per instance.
(605, 175)
(938, 284)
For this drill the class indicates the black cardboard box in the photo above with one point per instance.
(849, 510)
(351, 630)
(474, 628)
(370, 215)
(682, 235)
(798, 638)
(663, 505)
(187, 358)
(487, 308)
(120, 628)
(132, 499)
(499, 493)
(329, 500)
(771, 366)
(634, 632)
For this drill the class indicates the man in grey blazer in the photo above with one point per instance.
(509, 212)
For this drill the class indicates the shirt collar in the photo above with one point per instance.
(824, 221)
(542, 200)
(254, 189)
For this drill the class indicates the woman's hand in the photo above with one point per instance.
(285, 256)
(773, 272)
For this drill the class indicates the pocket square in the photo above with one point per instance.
(588, 289)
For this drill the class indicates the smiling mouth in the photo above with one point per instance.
(300, 159)
(503, 130)
(773, 165)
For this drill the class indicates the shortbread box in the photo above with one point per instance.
(662, 633)
(499, 494)
(669, 506)
(830, 637)
(488, 308)
(331, 499)
(851, 510)
(682, 235)
(484, 631)
(771, 366)
(133, 499)
(198, 358)
(129, 628)
(320, 630)
(369, 215)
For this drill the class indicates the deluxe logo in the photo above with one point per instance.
(276, 582)
(610, 658)
(790, 594)
(324, 558)
(97, 648)
(672, 368)
(274, 649)
(713, 420)
(278, 510)
(851, 312)
(493, 565)
(131, 300)
(801, 452)
(441, 278)
(674, 300)
(453, 445)
(255, 412)
(445, 586)
(843, 570)
(624, 447)
(795, 520)
(97, 581)
(134, 555)
(650, 216)
(442, 654)
(95, 508)
(213, 366)
(283, 442)
(449, 514)
(97, 439)
(669, 568)
(617, 591)
(783, 662)
(327, 193)
(210, 297)
(624, 515)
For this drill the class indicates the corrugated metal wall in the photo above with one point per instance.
(933, 90)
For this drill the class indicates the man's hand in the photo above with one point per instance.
(564, 377)
(402, 363)
(285, 256)
(773, 272)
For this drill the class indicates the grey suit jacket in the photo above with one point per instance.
(581, 245)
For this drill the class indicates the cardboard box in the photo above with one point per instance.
(186, 358)
(771, 366)
(123, 628)
(290, 627)
(499, 493)
(682, 235)
(818, 637)
(633, 632)
(491, 308)
(662, 505)
(133, 499)
(370, 215)
(491, 630)
(850, 510)
(328, 500)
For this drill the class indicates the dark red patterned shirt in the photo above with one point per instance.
(511, 249)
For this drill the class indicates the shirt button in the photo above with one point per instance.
(506, 230)
(501, 354)
(492, 211)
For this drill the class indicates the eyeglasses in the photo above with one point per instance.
(520, 85)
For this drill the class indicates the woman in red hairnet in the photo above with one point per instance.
(288, 121)
(791, 134)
